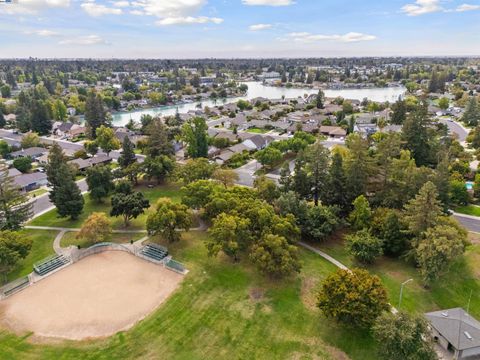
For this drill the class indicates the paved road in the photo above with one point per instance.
(455, 128)
(471, 223)
(42, 204)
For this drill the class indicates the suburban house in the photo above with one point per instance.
(227, 154)
(33, 152)
(83, 164)
(258, 142)
(333, 131)
(456, 331)
(28, 182)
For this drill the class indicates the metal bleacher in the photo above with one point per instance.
(155, 252)
(48, 265)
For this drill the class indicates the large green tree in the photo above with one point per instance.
(100, 182)
(159, 167)
(415, 133)
(128, 153)
(66, 195)
(13, 248)
(15, 208)
(95, 114)
(128, 205)
(353, 297)
(364, 247)
(106, 139)
(168, 218)
(194, 133)
(403, 336)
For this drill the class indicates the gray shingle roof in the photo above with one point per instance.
(454, 325)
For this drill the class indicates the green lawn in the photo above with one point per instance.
(51, 218)
(256, 130)
(221, 311)
(452, 290)
(42, 246)
(70, 239)
(469, 210)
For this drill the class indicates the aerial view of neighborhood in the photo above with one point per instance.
(239, 179)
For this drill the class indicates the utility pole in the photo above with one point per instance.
(401, 292)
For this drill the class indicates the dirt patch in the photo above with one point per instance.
(96, 297)
(308, 293)
(474, 238)
(256, 294)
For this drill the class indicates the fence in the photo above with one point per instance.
(98, 248)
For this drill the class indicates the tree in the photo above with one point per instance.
(40, 117)
(320, 222)
(29, 140)
(56, 159)
(23, 164)
(100, 182)
(266, 189)
(130, 206)
(167, 218)
(195, 169)
(97, 228)
(59, 110)
(353, 297)
(275, 256)
(15, 208)
(458, 193)
(422, 212)
(320, 100)
(415, 135)
(358, 166)
(95, 115)
(269, 156)
(66, 195)
(3, 122)
(440, 246)
(194, 133)
(5, 149)
(403, 336)
(5, 91)
(443, 103)
(364, 247)
(336, 189)
(13, 248)
(226, 177)
(471, 116)
(387, 226)
(158, 142)
(230, 234)
(158, 167)
(399, 112)
(128, 153)
(197, 194)
(317, 158)
(106, 139)
(91, 147)
(361, 216)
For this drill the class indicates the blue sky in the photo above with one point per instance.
(238, 28)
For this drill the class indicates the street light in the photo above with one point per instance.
(401, 292)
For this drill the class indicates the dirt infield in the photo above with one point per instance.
(98, 296)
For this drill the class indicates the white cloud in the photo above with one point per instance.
(467, 7)
(120, 4)
(174, 12)
(84, 40)
(188, 20)
(260, 27)
(268, 2)
(30, 7)
(422, 7)
(43, 33)
(94, 9)
(306, 37)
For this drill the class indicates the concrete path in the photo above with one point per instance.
(324, 255)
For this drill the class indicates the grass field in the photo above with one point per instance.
(70, 239)
(51, 218)
(469, 210)
(452, 290)
(42, 247)
(221, 311)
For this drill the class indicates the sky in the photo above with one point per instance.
(238, 28)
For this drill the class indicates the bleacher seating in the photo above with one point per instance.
(175, 266)
(155, 252)
(15, 286)
(49, 265)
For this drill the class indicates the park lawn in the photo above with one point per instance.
(451, 290)
(152, 194)
(256, 130)
(469, 210)
(42, 247)
(222, 311)
(118, 238)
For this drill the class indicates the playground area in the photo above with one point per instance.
(95, 297)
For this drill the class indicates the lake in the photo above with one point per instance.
(257, 89)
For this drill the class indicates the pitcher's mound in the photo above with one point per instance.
(95, 297)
